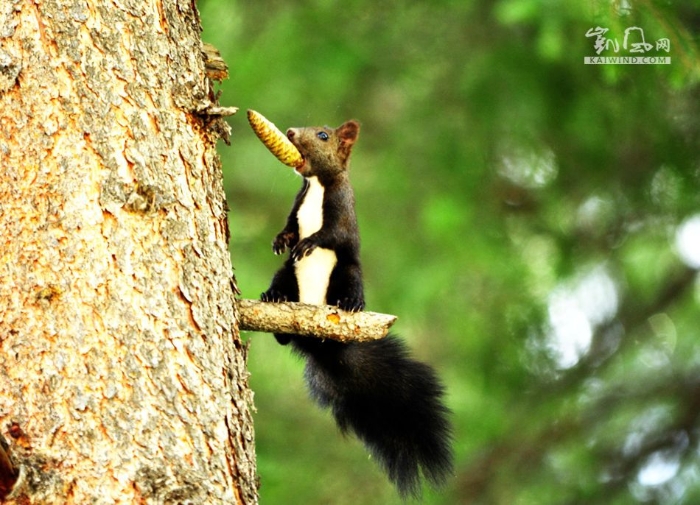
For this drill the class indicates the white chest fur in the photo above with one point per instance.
(313, 271)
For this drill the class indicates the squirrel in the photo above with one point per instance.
(393, 403)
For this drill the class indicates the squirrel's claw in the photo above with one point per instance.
(303, 248)
(282, 241)
(272, 296)
(351, 304)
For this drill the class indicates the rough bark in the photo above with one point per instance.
(322, 321)
(122, 375)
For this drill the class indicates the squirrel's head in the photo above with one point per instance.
(326, 151)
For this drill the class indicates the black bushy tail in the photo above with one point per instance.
(392, 402)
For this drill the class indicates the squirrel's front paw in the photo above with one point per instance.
(303, 248)
(352, 304)
(282, 241)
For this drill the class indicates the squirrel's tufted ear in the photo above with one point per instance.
(346, 134)
(348, 131)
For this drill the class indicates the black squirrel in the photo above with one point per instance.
(374, 389)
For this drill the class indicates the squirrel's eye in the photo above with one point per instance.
(322, 135)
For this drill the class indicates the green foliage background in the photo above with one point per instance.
(507, 193)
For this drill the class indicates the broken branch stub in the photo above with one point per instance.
(322, 321)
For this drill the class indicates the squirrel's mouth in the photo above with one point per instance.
(300, 168)
(291, 136)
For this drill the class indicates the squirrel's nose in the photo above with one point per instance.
(291, 133)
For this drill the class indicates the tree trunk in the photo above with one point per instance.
(122, 375)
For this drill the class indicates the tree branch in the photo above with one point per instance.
(323, 321)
